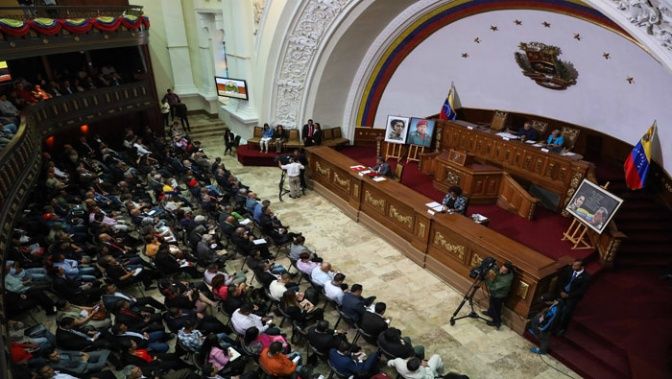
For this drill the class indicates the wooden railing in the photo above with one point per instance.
(85, 107)
(514, 198)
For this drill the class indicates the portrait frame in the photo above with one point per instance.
(413, 127)
(590, 198)
(392, 124)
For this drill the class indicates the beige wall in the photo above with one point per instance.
(158, 50)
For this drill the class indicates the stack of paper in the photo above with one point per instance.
(437, 207)
(365, 172)
(379, 179)
(260, 241)
(245, 221)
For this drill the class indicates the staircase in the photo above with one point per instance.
(647, 225)
(206, 128)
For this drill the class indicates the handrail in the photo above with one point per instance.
(68, 11)
(8, 150)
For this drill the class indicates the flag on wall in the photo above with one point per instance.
(448, 108)
(638, 162)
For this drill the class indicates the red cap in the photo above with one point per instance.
(421, 122)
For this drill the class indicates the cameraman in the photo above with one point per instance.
(293, 170)
(499, 284)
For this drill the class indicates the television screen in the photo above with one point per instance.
(420, 132)
(235, 88)
(4, 72)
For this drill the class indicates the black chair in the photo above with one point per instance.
(343, 316)
(362, 333)
(334, 371)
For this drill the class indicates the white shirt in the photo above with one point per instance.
(60, 375)
(242, 322)
(333, 292)
(320, 277)
(277, 289)
(293, 169)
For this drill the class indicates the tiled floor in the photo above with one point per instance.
(419, 303)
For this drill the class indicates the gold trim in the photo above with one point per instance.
(355, 189)
(475, 260)
(454, 249)
(522, 289)
(320, 170)
(406, 220)
(421, 229)
(376, 203)
(344, 183)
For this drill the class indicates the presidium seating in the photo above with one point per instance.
(330, 137)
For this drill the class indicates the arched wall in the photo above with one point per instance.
(625, 114)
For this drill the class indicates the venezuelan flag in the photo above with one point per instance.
(638, 162)
(448, 108)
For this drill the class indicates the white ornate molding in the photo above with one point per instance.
(305, 36)
(653, 16)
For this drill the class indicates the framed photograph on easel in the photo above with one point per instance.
(396, 129)
(593, 206)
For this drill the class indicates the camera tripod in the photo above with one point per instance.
(281, 186)
(469, 296)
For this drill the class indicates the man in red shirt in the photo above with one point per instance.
(275, 363)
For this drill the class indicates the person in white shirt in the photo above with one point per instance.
(46, 372)
(278, 287)
(243, 319)
(213, 270)
(294, 174)
(322, 274)
(414, 368)
(333, 289)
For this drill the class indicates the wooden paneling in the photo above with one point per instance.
(515, 198)
(367, 136)
(554, 172)
(448, 245)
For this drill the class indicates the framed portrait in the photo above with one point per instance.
(397, 129)
(420, 132)
(593, 205)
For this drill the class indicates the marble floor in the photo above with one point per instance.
(418, 302)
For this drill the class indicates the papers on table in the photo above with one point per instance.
(508, 136)
(379, 179)
(365, 172)
(538, 144)
(436, 207)
(567, 154)
(245, 221)
(260, 241)
(531, 142)
(359, 167)
(233, 354)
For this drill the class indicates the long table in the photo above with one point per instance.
(447, 245)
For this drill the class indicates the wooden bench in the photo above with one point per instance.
(333, 137)
(294, 141)
(256, 136)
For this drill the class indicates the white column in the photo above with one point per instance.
(205, 22)
(238, 22)
(178, 50)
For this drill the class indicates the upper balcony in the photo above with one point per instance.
(41, 30)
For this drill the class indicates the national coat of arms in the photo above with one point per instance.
(541, 64)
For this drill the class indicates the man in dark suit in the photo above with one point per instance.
(348, 364)
(574, 285)
(324, 339)
(353, 304)
(307, 134)
(374, 323)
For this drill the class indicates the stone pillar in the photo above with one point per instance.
(205, 22)
(178, 50)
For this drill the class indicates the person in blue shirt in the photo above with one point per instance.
(381, 168)
(349, 363)
(555, 139)
(266, 137)
(259, 210)
(543, 324)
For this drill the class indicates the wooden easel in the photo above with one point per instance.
(413, 152)
(577, 233)
(394, 150)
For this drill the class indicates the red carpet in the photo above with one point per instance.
(251, 156)
(543, 233)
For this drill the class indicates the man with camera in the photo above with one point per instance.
(293, 170)
(499, 284)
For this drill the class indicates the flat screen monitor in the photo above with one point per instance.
(228, 87)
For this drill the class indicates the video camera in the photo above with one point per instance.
(284, 159)
(480, 271)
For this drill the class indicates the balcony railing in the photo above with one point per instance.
(61, 112)
(76, 11)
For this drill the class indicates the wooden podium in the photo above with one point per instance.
(480, 183)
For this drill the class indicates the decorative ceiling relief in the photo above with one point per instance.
(541, 64)
(654, 16)
(303, 40)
